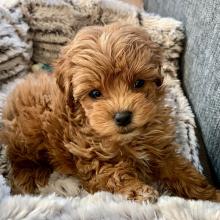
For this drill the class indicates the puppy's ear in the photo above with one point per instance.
(63, 74)
(59, 74)
(62, 67)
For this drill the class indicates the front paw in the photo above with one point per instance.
(142, 193)
(146, 193)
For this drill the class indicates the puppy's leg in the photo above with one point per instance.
(121, 178)
(28, 171)
(181, 177)
(23, 134)
(27, 179)
(135, 189)
(28, 156)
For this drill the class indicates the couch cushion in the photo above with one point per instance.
(201, 64)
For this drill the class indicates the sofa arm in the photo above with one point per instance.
(200, 69)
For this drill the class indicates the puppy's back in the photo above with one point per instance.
(35, 93)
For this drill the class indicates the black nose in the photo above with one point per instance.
(123, 118)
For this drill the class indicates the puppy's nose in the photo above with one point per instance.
(123, 118)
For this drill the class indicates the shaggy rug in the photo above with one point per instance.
(101, 205)
(43, 27)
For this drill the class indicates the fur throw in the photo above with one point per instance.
(101, 205)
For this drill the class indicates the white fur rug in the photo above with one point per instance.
(101, 205)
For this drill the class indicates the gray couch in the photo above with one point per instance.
(200, 65)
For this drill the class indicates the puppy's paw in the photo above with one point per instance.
(141, 193)
(62, 186)
(146, 193)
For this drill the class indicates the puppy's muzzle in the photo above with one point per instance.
(123, 118)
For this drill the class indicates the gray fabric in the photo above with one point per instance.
(201, 64)
(15, 44)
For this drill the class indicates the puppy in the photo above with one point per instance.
(101, 119)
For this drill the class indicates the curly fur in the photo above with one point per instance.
(51, 124)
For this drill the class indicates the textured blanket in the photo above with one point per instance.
(101, 205)
(51, 24)
(15, 44)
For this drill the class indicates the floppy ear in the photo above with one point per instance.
(62, 68)
(63, 74)
(59, 73)
(157, 57)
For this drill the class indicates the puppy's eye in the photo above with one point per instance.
(139, 83)
(95, 94)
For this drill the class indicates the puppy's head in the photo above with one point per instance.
(113, 72)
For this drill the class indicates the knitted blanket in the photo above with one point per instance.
(50, 24)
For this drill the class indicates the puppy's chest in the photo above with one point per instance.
(104, 148)
(106, 160)
(97, 153)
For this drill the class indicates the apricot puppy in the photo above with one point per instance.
(102, 120)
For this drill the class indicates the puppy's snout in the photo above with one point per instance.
(123, 118)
